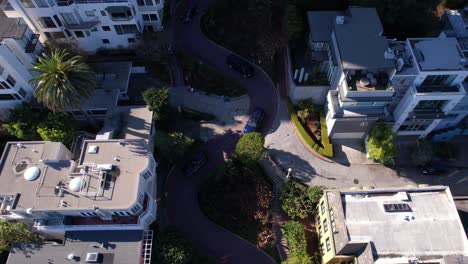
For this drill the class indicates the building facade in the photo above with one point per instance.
(19, 47)
(391, 226)
(418, 86)
(93, 24)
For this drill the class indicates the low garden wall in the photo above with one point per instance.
(317, 93)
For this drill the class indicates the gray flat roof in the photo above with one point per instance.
(56, 169)
(431, 228)
(113, 75)
(437, 54)
(359, 41)
(137, 122)
(321, 24)
(102, 99)
(120, 247)
(9, 28)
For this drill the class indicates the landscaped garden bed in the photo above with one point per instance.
(239, 198)
(203, 77)
(307, 128)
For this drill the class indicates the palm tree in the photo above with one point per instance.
(64, 82)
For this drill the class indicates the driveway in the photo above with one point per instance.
(182, 203)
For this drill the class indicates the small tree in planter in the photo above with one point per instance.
(305, 108)
(381, 145)
(157, 101)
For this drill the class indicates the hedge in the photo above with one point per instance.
(327, 149)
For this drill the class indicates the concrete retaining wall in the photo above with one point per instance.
(317, 93)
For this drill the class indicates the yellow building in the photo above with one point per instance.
(390, 226)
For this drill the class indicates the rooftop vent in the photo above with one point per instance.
(93, 149)
(396, 207)
(92, 257)
(339, 20)
(71, 257)
(77, 184)
(104, 167)
(32, 173)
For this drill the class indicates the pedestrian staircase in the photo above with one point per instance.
(147, 246)
(278, 178)
(282, 72)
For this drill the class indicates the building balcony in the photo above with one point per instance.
(360, 81)
(87, 25)
(439, 89)
(32, 43)
(120, 13)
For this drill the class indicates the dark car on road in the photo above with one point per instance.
(189, 14)
(242, 66)
(433, 169)
(254, 121)
(195, 163)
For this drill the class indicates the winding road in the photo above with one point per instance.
(182, 203)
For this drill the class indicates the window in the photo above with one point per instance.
(90, 13)
(51, 2)
(79, 34)
(322, 207)
(69, 18)
(148, 29)
(150, 17)
(320, 231)
(430, 105)
(98, 112)
(11, 81)
(434, 80)
(145, 2)
(106, 28)
(121, 213)
(321, 248)
(22, 92)
(105, 41)
(131, 40)
(327, 242)
(146, 174)
(67, 32)
(57, 20)
(27, 3)
(94, 29)
(136, 209)
(4, 85)
(1, 70)
(125, 29)
(88, 214)
(325, 225)
(41, 3)
(46, 22)
(103, 13)
(87, 33)
(121, 15)
(55, 35)
(6, 97)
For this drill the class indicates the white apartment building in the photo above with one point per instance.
(19, 47)
(93, 24)
(109, 185)
(418, 85)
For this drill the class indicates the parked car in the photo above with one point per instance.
(242, 66)
(433, 169)
(195, 163)
(189, 14)
(254, 121)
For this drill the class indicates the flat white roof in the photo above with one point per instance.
(432, 227)
(437, 54)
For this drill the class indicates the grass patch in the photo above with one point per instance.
(207, 79)
(239, 199)
(327, 150)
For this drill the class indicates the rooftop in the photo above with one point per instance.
(321, 24)
(10, 28)
(113, 75)
(427, 224)
(437, 54)
(58, 185)
(360, 42)
(118, 247)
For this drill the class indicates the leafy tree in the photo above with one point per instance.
(423, 152)
(172, 146)
(381, 144)
(295, 235)
(299, 201)
(22, 122)
(250, 148)
(57, 127)
(172, 247)
(63, 82)
(305, 108)
(11, 232)
(157, 101)
(295, 22)
(403, 18)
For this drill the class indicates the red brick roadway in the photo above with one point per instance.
(182, 204)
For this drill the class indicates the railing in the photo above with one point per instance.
(147, 247)
(83, 25)
(99, 1)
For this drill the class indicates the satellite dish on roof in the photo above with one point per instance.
(77, 184)
(32, 173)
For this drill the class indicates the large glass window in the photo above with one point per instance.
(27, 3)
(69, 18)
(57, 20)
(436, 80)
(46, 22)
(11, 81)
(145, 2)
(41, 3)
(6, 97)
(430, 105)
(126, 29)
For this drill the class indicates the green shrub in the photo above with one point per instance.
(57, 127)
(250, 148)
(172, 146)
(327, 149)
(11, 232)
(157, 101)
(22, 122)
(381, 144)
(295, 235)
(172, 247)
(299, 201)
